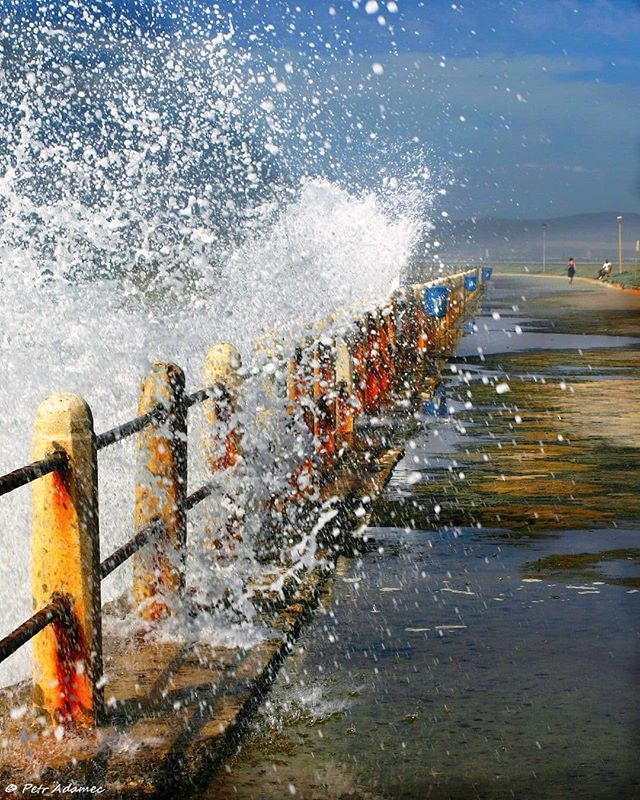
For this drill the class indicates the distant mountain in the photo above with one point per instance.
(586, 237)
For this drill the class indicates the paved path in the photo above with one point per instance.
(491, 662)
(555, 298)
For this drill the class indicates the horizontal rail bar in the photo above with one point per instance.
(129, 548)
(201, 494)
(157, 414)
(141, 538)
(24, 475)
(56, 609)
(197, 397)
(216, 392)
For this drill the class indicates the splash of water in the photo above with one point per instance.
(150, 206)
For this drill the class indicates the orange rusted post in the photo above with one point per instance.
(396, 333)
(448, 317)
(420, 322)
(359, 361)
(325, 398)
(347, 403)
(295, 381)
(383, 356)
(405, 346)
(300, 387)
(67, 655)
(392, 346)
(222, 439)
(161, 493)
(455, 303)
(435, 329)
(417, 316)
(372, 376)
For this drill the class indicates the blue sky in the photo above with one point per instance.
(535, 106)
(527, 108)
(550, 93)
(532, 105)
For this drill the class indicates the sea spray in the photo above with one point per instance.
(152, 204)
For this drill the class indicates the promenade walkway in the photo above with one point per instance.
(487, 644)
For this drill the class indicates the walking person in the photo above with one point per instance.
(571, 269)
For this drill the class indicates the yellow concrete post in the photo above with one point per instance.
(301, 407)
(67, 655)
(222, 440)
(421, 321)
(344, 385)
(222, 436)
(161, 492)
(404, 338)
(324, 397)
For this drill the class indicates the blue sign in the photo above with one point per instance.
(486, 273)
(471, 282)
(436, 299)
(436, 407)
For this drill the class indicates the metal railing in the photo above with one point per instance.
(59, 462)
(329, 384)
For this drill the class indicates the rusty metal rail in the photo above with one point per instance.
(201, 494)
(58, 462)
(133, 426)
(55, 610)
(157, 415)
(217, 391)
(31, 472)
(119, 556)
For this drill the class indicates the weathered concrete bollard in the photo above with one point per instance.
(222, 439)
(161, 492)
(324, 392)
(67, 655)
(456, 301)
(405, 337)
(373, 366)
(421, 322)
(359, 362)
(389, 314)
(384, 373)
(300, 386)
(301, 406)
(347, 403)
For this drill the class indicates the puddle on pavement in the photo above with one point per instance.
(552, 451)
(620, 566)
(486, 645)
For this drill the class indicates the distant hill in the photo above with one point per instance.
(586, 237)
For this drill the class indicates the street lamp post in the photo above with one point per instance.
(620, 242)
(544, 246)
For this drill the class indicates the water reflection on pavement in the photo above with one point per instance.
(486, 645)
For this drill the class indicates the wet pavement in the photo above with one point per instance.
(487, 644)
